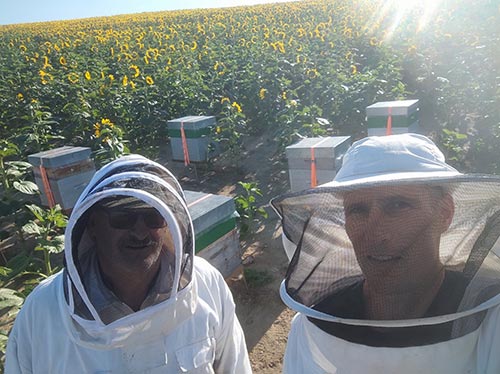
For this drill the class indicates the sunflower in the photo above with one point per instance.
(149, 80)
(73, 77)
(107, 122)
(62, 60)
(46, 63)
(412, 49)
(97, 130)
(262, 93)
(237, 106)
(87, 75)
(373, 41)
(312, 73)
(136, 70)
(45, 77)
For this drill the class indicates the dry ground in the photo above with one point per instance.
(265, 319)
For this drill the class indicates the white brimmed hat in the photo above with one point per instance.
(392, 158)
(324, 261)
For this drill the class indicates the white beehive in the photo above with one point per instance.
(404, 117)
(198, 142)
(327, 153)
(68, 171)
(216, 233)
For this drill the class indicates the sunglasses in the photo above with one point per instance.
(126, 219)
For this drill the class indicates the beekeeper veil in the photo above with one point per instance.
(398, 219)
(137, 183)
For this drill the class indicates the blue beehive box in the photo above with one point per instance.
(328, 154)
(216, 233)
(68, 170)
(197, 130)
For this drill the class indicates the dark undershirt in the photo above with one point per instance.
(348, 303)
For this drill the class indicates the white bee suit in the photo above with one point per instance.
(193, 330)
(311, 350)
(44, 339)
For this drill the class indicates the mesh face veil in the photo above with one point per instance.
(398, 239)
(153, 198)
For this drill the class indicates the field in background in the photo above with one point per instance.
(278, 66)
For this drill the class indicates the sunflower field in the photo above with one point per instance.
(274, 67)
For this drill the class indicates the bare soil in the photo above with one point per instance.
(263, 316)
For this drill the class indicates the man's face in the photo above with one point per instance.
(129, 241)
(395, 232)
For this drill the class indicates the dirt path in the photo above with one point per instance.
(263, 316)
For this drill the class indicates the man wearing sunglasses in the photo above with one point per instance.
(132, 297)
(131, 239)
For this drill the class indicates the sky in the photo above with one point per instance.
(23, 11)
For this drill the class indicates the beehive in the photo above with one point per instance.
(66, 170)
(190, 136)
(404, 117)
(314, 161)
(216, 233)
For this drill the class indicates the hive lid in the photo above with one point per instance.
(207, 210)
(328, 147)
(399, 108)
(191, 122)
(58, 157)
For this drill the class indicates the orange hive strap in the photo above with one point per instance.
(314, 179)
(388, 129)
(184, 145)
(46, 185)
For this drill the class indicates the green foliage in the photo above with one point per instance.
(39, 132)
(13, 174)
(15, 187)
(10, 304)
(246, 205)
(47, 229)
(25, 270)
(455, 146)
(231, 126)
(109, 142)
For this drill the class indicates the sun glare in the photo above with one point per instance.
(399, 11)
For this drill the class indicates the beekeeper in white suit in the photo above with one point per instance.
(394, 268)
(132, 298)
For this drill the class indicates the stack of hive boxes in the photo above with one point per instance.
(61, 174)
(190, 138)
(314, 161)
(403, 116)
(214, 221)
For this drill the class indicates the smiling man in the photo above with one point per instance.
(395, 233)
(395, 266)
(133, 297)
